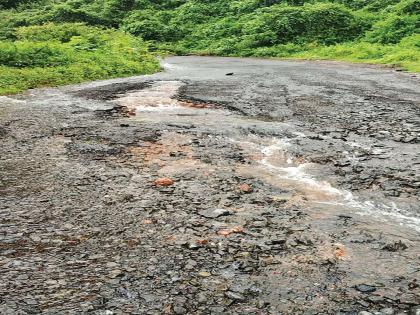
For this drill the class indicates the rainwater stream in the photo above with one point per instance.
(272, 155)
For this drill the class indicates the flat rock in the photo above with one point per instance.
(211, 214)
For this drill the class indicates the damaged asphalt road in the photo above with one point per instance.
(282, 188)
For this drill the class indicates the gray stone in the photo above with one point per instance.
(179, 310)
(387, 311)
(235, 296)
(365, 288)
(214, 213)
(415, 310)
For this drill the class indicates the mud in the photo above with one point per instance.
(295, 191)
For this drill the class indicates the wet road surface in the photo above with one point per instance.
(285, 188)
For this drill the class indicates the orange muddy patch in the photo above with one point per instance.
(227, 232)
(171, 144)
(334, 252)
(172, 153)
(202, 241)
(146, 154)
(339, 252)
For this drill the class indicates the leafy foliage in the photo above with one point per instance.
(57, 54)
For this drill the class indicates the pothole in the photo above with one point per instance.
(160, 96)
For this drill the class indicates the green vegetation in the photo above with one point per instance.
(49, 42)
(56, 54)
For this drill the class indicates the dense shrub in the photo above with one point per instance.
(53, 32)
(57, 54)
(148, 24)
(323, 22)
(30, 54)
(10, 4)
(394, 28)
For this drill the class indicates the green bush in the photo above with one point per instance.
(10, 4)
(394, 28)
(148, 24)
(53, 32)
(322, 22)
(410, 7)
(50, 55)
(30, 54)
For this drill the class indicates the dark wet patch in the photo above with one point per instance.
(111, 91)
(184, 96)
(116, 112)
(113, 135)
(92, 149)
(3, 132)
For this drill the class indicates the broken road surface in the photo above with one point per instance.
(286, 188)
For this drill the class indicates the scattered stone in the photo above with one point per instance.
(115, 273)
(179, 310)
(237, 229)
(415, 310)
(387, 311)
(364, 288)
(163, 182)
(234, 296)
(245, 188)
(193, 245)
(283, 198)
(395, 246)
(339, 251)
(111, 264)
(413, 284)
(191, 264)
(375, 299)
(202, 241)
(204, 274)
(211, 214)
(217, 310)
(35, 238)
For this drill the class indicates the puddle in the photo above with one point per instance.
(158, 104)
(273, 159)
(158, 97)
